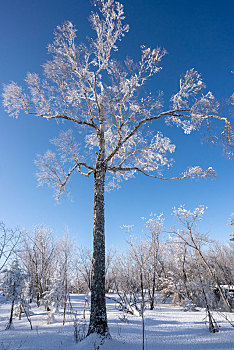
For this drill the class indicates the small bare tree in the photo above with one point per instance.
(85, 86)
(221, 259)
(84, 266)
(37, 256)
(65, 251)
(140, 252)
(9, 238)
(189, 235)
(155, 226)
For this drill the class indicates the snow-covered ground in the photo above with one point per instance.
(167, 327)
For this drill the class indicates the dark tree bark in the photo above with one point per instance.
(9, 325)
(153, 290)
(98, 316)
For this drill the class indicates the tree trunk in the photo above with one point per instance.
(142, 308)
(9, 325)
(153, 290)
(98, 316)
(65, 294)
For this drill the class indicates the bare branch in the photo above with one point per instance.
(191, 173)
(9, 238)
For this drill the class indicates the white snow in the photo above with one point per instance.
(168, 327)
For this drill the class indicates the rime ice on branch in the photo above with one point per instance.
(84, 85)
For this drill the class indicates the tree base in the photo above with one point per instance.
(9, 326)
(95, 340)
(101, 331)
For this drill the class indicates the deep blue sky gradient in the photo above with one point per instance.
(196, 34)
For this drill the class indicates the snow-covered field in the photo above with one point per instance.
(167, 327)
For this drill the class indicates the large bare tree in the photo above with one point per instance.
(85, 86)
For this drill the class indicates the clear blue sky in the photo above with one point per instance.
(196, 34)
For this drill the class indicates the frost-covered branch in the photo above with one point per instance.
(190, 85)
(109, 30)
(202, 110)
(53, 174)
(53, 171)
(192, 172)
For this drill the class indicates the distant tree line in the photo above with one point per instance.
(179, 265)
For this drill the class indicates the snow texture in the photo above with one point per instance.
(167, 328)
